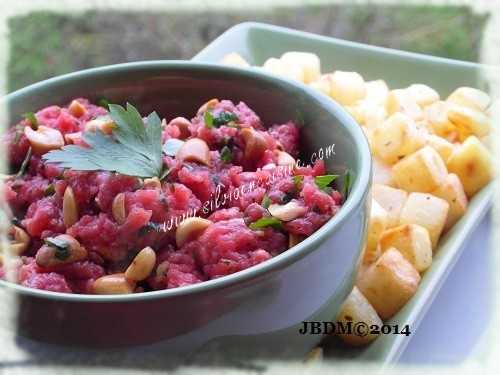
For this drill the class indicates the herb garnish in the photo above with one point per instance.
(31, 118)
(266, 201)
(266, 222)
(226, 155)
(103, 102)
(323, 181)
(24, 164)
(171, 146)
(348, 180)
(61, 247)
(134, 148)
(297, 180)
(49, 190)
(223, 118)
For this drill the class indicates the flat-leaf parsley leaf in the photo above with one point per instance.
(134, 148)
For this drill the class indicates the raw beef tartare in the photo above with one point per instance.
(104, 201)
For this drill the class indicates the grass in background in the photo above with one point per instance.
(47, 44)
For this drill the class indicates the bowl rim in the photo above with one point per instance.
(358, 192)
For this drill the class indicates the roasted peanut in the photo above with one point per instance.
(255, 143)
(287, 212)
(104, 123)
(153, 183)
(190, 229)
(76, 108)
(44, 139)
(194, 149)
(20, 240)
(62, 249)
(70, 207)
(284, 158)
(142, 265)
(118, 208)
(114, 284)
(183, 125)
(208, 105)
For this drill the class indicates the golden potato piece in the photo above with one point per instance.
(376, 225)
(347, 87)
(376, 91)
(423, 94)
(469, 121)
(355, 309)
(281, 68)
(421, 171)
(428, 211)
(308, 62)
(441, 145)
(471, 98)
(436, 115)
(396, 137)
(453, 192)
(235, 59)
(473, 164)
(389, 283)
(382, 172)
(392, 200)
(413, 241)
(401, 100)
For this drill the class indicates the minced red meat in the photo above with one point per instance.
(236, 191)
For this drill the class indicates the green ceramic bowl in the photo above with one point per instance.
(270, 300)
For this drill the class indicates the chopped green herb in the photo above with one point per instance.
(30, 116)
(324, 181)
(24, 164)
(150, 227)
(133, 149)
(49, 190)
(266, 201)
(165, 173)
(266, 222)
(103, 102)
(348, 180)
(171, 146)
(61, 247)
(297, 180)
(226, 155)
(208, 117)
(223, 118)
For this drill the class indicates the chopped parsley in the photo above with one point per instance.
(297, 180)
(31, 118)
(348, 180)
(226, 155)
(266, 202)
(323, 181)
(266, 222)
(49, 190)
(223, 118)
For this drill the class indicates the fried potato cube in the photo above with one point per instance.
(423, 94)
(347, 87)
(413, 241)
(441, 145)
(389, 283)
(436, 115)
(392, 200)
(376, 225)
(428, 211)
(376, 91)
(235, 59)
(421, 171)
(281, 68)
(309, 63)
(452, 191)
(471, 98)
(401, 100)
(469, 121)
(473, 164)
(396, 137)
(355, 309)
(382, 172)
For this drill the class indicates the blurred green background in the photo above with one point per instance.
(46, 44)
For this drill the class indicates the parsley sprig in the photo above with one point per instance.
(133, 149)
